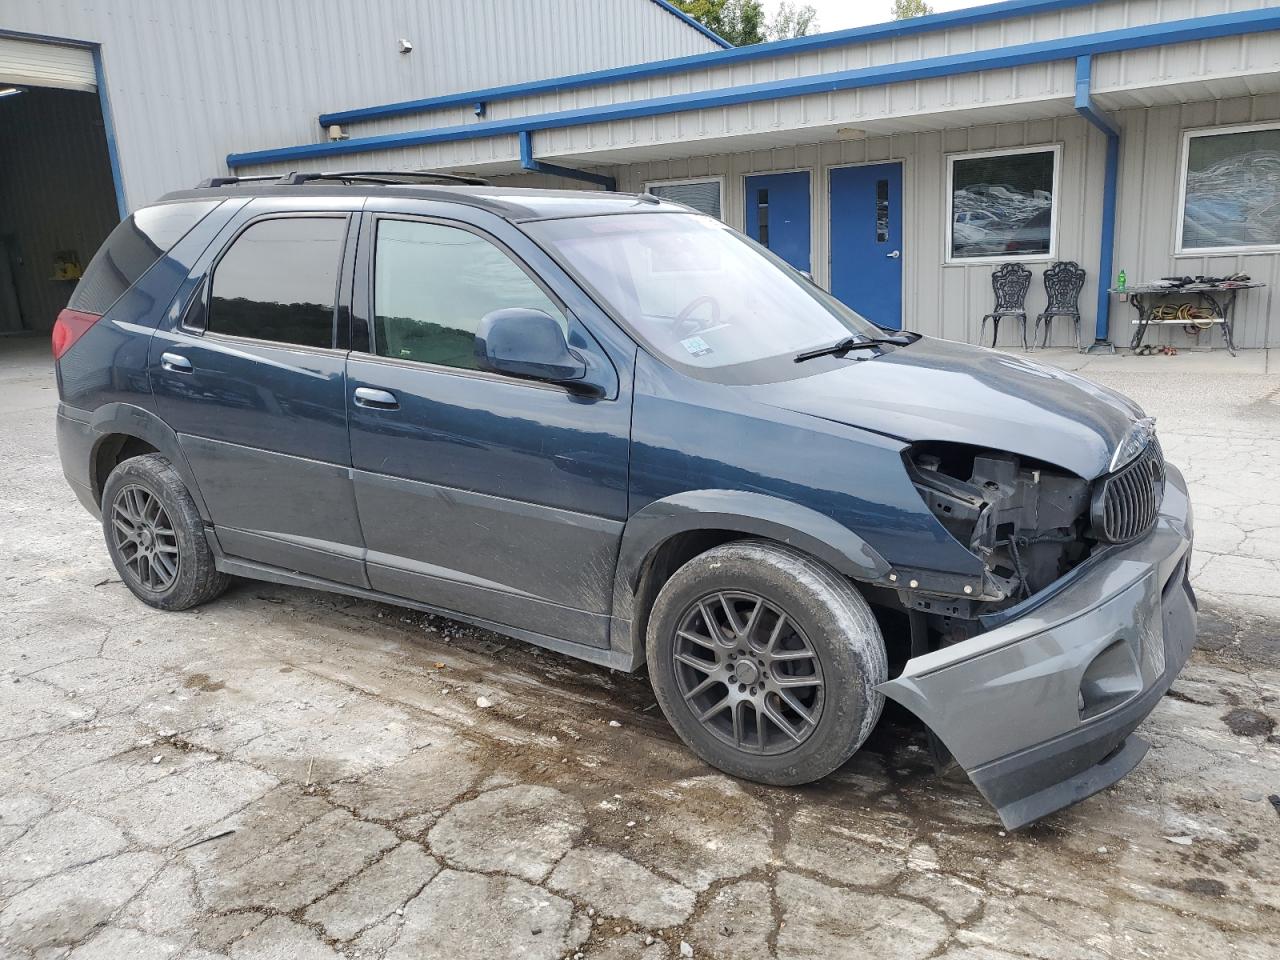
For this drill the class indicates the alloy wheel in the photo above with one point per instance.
(748, 673)
(145, 538)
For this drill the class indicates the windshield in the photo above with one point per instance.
(697, 292)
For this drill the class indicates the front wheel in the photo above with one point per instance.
(155, 535)
(766, 662)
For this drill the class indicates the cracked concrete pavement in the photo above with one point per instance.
(286, 774)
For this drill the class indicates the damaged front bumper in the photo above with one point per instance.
(1040, 710)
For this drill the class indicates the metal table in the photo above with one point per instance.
(1220, 296)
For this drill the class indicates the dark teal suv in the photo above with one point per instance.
(614, 427)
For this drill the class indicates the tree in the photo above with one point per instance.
(793, 21)
(906, 9)
(741, 22)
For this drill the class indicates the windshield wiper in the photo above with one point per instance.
(851, 343)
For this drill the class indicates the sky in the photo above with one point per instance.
(838, 14)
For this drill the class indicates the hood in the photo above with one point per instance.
(943, 390)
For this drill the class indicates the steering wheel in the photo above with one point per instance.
(683, 319)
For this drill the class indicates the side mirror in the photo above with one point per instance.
(526, 343)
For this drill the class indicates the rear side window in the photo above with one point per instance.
(279, 281)
(136, 244)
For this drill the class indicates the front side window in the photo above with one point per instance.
(699, 293)
(279, 282)
(1231, 197)
(433, 284)
(1003, 205)
(704, 195)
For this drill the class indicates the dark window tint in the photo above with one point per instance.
(434, 284)
(702, 195)
(278, 281)
(882, 211)
(132, 248)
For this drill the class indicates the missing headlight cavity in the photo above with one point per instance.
(1026, 520)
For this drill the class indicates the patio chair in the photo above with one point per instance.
(1062, 285)
(1010, 283)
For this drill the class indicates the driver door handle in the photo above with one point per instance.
(375, 399)
(894, 255)
(175, 363)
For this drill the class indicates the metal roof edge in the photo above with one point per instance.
(1066, 48)
(819, 41)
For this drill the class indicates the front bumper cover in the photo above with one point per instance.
(1040, 710)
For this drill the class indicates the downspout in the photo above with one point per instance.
(1106, 256)
(537, 166)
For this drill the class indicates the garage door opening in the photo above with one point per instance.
(57, 195)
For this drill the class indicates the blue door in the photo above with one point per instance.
(866, 240)
(777, 215)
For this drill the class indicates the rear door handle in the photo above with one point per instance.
(175, 363)
(376, 399)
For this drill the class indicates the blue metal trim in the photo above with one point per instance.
(1129, 38)
(537, 166)
(717, 58)
(700, 27)
(100, 80)
(1106, 254)
(109, 129)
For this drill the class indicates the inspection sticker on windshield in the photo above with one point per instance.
(696, 346)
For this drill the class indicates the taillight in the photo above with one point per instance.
(70, 326)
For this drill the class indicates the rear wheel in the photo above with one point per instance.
(766, 661)
(155, 535)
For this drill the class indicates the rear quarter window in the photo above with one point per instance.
(131, 250)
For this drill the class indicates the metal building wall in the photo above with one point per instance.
(191, 81)
(1206, 69)
(949, 300)
(56, 193)
(1150, 176)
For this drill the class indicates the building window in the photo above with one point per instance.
(1230, 190)
(279, 281)
(1003, 204)
(703, 194)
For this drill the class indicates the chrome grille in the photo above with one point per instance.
(1127, 502)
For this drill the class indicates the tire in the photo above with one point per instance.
(147, 511)
(827, 657)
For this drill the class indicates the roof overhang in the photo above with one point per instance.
(1020, 82)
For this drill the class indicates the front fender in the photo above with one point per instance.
(752, 514)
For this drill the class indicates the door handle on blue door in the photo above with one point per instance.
(894, 255)
(175, 363)
(376, 399)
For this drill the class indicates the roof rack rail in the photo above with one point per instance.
(231, 181)
(384, 177)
